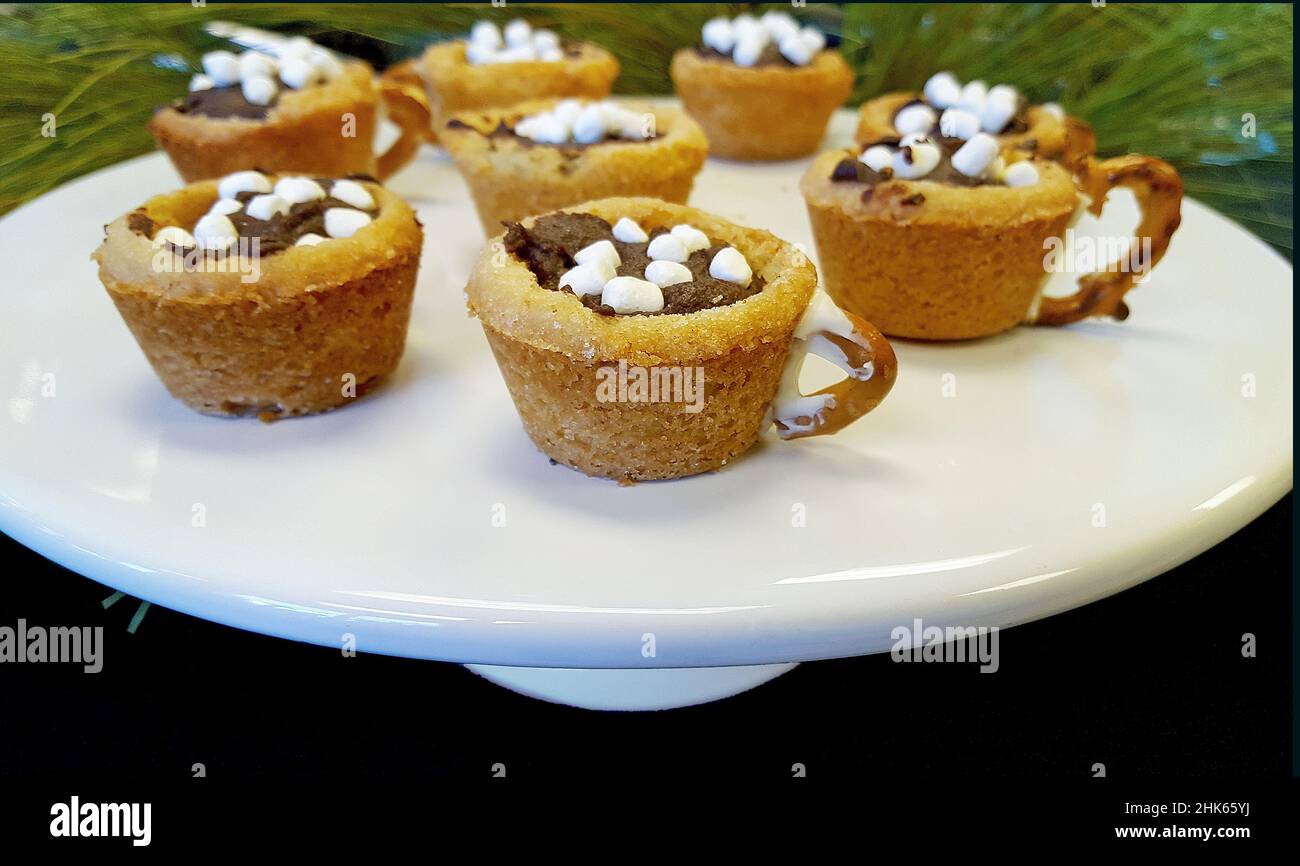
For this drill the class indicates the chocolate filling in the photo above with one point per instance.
(223, 102)
(548, 248)
(771, 56)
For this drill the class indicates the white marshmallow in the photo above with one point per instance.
(814, 38)
(916, 157)
(973, 157)
(175, 235)
(915, 118)
(632, 125)
(549, 129)
(876, 157)
(297, 190)
(749, 47)
(215, 232)
(344, 222)
(973, 96)
(779, 25)
(667, 248)
(309, 240)
(226, 206)
(1055, 110)
(485, 33)
(668, 273)
(958, 123)
(589, 125)
(200, 82)
(588, 279)
(730, 265)
(1020, 174)
(943, 90)
(627, 231)
(599, 251)
(632, 295)
(515, 54)
(567, 110)
(298, 72)
(243, 181)
(551, 55)
(745, 23)
(352, 193)
(222, 67)
(719, 35)
(295, 46)
(254, 64)
(478, 53)
(795, 49)
(693, 238)
(329, 66)
(544, 40)
(259, 90)
(518, 33)
(999, 108)
(263, 207)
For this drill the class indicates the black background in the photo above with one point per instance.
(1151, 682)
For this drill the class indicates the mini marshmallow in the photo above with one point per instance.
(515, 54)
(730, 265)
(779, 25)
(518, 33)
(814, 38)
(999, 108)
(589, 125)
(599, 251)
(309, 240)
(667, 248)
(915, 118)
(222, 67)
(551, 55)
(215, 232)
(479, 53)
(547, 129)
(485, 33)
(632, 295)
(973, 157)
(973, 96)
(226, 206)
(298, 72)
(326, 63)
(876, 157)
(255, 64)
(693, 238)
(627, 231)
(749, 47)
(344, 222)
(958, 123)
(567, 110)
(632, 125)
(200, 82)
(588, 279)
(295, 46)
(916, 157)
(796, 50)
(263, 207)
(174, 235)
(943, 90)
(745, 23)
(259, 90)
(1053, 109)
(352, 193)
(243, 181)
(718, 34)
(668, 273)
(1020, 174)
(544, 40)
(297, 190)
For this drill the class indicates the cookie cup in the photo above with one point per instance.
(763, 112)
(510, 178)
(307, 131)
(557, 357)
(454, 84)
(304, 330)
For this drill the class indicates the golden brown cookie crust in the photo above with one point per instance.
(762, 112)
(454, 84)
(302, 133)
(281, 345)
(963, 262)
(510, 179)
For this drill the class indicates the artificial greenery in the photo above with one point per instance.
(1170, 80)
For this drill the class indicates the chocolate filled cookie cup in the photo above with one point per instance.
(302, 111)
(953, 256)
(257, 295)
(646, 340)
(543, 155)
